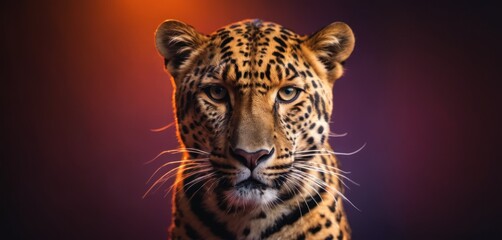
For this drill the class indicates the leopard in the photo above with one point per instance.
(252, 106)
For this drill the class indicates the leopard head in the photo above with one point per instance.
(251, 100)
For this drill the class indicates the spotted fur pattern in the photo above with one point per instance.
(256, 165)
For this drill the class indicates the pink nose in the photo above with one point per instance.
(251, 159)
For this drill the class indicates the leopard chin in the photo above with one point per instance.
(251, 193)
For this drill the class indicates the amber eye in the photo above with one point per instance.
(288, 94)
(217, 93)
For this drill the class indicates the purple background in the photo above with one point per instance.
(82, 84)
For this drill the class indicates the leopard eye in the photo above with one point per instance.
(288, 94)
(216, 93)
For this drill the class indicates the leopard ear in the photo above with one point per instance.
(332, 45)
(176, 41)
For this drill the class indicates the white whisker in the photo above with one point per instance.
(324, 172)
(318, 169)
(315, 180)
(324, 165)
(162, 128)
(328, 152)
(299, 177)
(337, 135)
(205, 170)
(197, 180)
(320, 181)
(187, 162)
(177, 151)
(171, 173)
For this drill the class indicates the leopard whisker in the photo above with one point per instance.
(331, 134)
(202, 179)
(308, 177)
(299, 177)
(212, 184)
(177, 181)
(324, 165)
(162, 128)
(303, 155)
(196, 150)
(320, 181)
(305, 166)
(177, 151)
(171, 173)
(187, 150)
(323, 171)
(197, 161)
(226, 199)
(296, 200)
(196, 180)
(333, 152)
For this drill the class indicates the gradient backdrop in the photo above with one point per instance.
(82, 85)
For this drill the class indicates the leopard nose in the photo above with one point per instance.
(251, 159)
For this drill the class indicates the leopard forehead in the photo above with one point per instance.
(252, 54)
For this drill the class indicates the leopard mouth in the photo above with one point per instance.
(251, 192)
(251, 184)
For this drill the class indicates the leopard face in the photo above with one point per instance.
(253, 101)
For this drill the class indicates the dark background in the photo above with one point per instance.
(82, 85)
